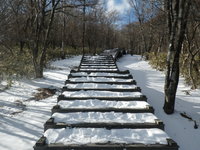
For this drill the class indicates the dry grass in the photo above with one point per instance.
(44, 93)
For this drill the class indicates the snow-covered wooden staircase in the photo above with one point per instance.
(102, 108)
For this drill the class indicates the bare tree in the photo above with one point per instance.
(41, 16)
(177, 16)
(144, 11)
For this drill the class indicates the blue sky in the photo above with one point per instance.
(121, 6)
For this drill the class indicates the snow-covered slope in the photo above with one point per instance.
(151, 82)
(21, 130)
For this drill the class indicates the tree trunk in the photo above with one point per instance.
(22, 43)
(37, 30)
(191, 72)
(83, 32)
(171, 82)
(178, 11)
(38, 69)
(63, 34)
(44, 50)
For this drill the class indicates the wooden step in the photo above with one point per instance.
(83, 64)
(98, 67)
(120, 77)
(98, 82)
(103, 117)
(99, 70)
(42, 145)
(142, 98)
(119, 72)
(98, 61)
(137, 89)
(50, 124)
(148, 108)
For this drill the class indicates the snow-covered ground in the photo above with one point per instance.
(21, 130)
(152, 84)
(22, 119)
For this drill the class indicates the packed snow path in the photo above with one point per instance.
(102, 108)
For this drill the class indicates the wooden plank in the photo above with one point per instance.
(141, 98)
(118, 77)
(119, 72)
(137, 89)
(94, 57)
(106, 71)
(110, 109)
(98, 82)
(172, 145)
(100, 58)
(98, 68)
(97, 64)
(97, 60)
(50, 124)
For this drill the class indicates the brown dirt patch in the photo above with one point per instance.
(44, 93)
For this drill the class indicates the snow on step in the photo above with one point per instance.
(103, 117)
(94, 103)
(99, 74)
(81, 136)
(99, 79)
(91, 64)
(94, 93)
(95, 57)
(99, 86)
(99, 62)
(98, 67)
(90, 69)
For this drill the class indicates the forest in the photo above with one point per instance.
(99, 74)
(32, 33)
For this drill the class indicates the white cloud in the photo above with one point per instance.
(121, 8)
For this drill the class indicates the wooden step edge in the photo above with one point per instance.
(88, 64)
(99, 70)
(41, 145)
(141, 98)
(119, 72)
(50, 124)
(98, 63)
(98, 82)
(98, 67)
(148, 109)
(120, 77)
(137, 89)
(96, 60)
